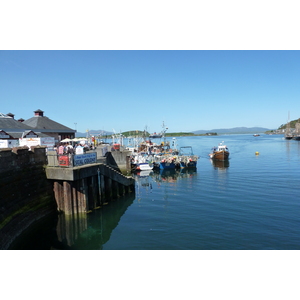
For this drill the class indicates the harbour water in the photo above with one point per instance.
(252, 202)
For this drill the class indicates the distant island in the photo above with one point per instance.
(133, 133)
(235, 130)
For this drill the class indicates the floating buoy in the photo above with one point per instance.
(256, 153)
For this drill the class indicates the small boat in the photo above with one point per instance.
(155, 136)
(160, 134)
(220, 153)
(186, 157)
(140, 162)
(256, 134)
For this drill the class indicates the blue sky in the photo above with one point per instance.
(130, 90)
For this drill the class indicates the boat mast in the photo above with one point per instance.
(288, 128)
(163, 132)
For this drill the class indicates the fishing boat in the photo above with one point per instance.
(186, 157)
(220, 153)
(165, 161)
(160, 134)
(140, 162)
(155, 136)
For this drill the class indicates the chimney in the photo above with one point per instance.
(21, 120)
(11, 115)
(39, 113)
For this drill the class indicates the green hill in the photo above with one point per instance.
(292, 124)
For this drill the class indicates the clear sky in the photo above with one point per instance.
(129, 90)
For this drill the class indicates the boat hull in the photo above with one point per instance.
(155, 136)
(220, 155)
(144, 166)
(167, 165)
(191, 164)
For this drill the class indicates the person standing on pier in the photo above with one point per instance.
(69, 148)
(79, 149)
(61, 149)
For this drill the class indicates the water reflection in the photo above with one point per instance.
(95, 229)
(144, 178)
(172, 176)
(221, 165)
(69, 227)
(221, 174)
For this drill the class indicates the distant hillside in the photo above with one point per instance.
(292, 124)
(234, 130)
(237, 130)
(93, 132)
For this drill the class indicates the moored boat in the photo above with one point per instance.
(186, 157)
(155, 136)
(160, 134)
(140, 162)
(165, 161)
(220, 153)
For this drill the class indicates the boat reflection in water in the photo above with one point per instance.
(172, 175)
(146, 178)
(220, 164)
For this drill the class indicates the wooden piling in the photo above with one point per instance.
(85, 196)
(80, 189)
(67, 197)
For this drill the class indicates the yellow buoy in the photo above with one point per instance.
(256, 153)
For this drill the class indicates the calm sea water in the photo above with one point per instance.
(250, 203)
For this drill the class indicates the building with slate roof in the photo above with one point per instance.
(15, 133)
(41, 123)
(9, 124)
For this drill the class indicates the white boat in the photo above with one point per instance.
(140, 161)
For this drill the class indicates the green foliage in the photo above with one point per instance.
(292, 124)
(135, 133)
(179, 134)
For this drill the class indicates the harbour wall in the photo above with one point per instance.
(26, 195)
(30, 191)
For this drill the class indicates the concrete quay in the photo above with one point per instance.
(83, 188)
